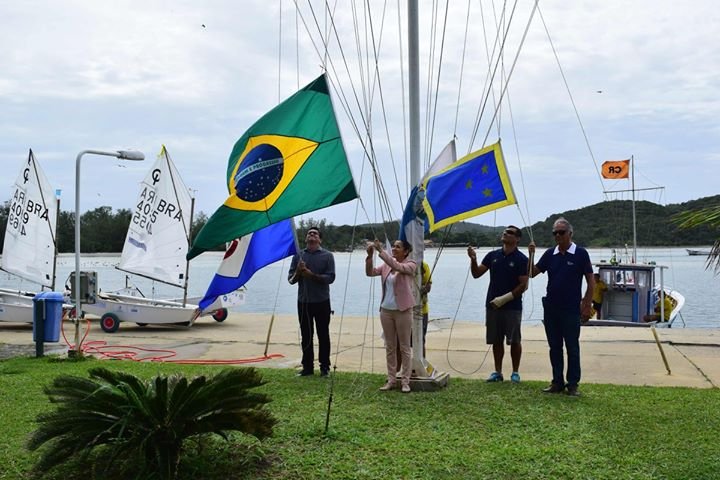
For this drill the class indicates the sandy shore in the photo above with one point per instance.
(612, 355)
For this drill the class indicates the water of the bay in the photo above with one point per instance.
(454, 295)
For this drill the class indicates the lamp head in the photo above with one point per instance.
(130, 155)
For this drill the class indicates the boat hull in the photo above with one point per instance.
(697, 253)
(631, 294)
(15, 312)
(141, 310)
(16, 306)
(115, 308)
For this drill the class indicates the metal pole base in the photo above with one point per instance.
(74, 354)
(427, 384)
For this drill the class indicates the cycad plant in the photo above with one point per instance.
(146, 421)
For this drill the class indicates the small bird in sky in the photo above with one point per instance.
(203, 25)
(599, 91)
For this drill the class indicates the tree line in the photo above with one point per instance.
(605, 224)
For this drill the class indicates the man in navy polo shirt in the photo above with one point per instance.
(508, 280)
(566, 264)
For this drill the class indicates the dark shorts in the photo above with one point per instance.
(597, 306)
(503, 325)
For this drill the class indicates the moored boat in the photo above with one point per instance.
(155, 248)
(693, 252)
(29, 250)
(632, 294)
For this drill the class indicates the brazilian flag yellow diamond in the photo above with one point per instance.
(256, 183)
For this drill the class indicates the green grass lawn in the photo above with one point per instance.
(469, 430)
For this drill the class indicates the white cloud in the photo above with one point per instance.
(81, 74)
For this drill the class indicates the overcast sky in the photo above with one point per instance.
(644, 75)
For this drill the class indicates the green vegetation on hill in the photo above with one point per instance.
(609, 224)
(605, 224)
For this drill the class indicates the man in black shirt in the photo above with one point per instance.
(313, 270)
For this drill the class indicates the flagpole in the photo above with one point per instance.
(418, 358)
(632, 188)
(425, 377)
(414, 92)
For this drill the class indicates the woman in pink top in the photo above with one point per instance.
(398, 276)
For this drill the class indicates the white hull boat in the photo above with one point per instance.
(155, 248)
(29, 247)
(16, 306)
(114, 308)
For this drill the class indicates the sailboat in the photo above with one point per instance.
(29, 250)
(155, 247)
(634, 289)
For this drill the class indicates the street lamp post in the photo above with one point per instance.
(122, 155)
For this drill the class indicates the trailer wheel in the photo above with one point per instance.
(220, 315)
(109, 323)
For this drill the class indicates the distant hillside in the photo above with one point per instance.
(604, 224)
(609, 224)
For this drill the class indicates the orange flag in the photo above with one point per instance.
(616, 169)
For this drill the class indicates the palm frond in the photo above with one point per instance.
(146, 422)
(710, 216)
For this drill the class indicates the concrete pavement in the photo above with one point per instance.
(614, 355)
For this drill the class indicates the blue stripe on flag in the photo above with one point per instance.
(266, 246)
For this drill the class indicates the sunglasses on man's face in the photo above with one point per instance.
(559, 232)
(511, 232)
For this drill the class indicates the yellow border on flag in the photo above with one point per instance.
(295, 152)
(504, 180)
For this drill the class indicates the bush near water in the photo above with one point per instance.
(605, 224)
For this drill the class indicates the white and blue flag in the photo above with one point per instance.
(247, 255)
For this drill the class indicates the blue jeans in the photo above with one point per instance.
(563, 326)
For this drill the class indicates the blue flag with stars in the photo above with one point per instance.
(475, 184)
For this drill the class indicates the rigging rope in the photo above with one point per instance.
(430, 135)
(462, 68)
(572, 100)
(364, 89)
(512, 67)
(402, 89)
(489, 79)
(367, 145)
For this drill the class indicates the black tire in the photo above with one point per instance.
(220, 315)
(109, 323)
(141, 324)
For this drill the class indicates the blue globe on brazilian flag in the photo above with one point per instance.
(291, 161)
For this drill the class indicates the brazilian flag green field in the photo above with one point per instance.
(291, 161)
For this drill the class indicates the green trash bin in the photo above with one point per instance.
(47, 316)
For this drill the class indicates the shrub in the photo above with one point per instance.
(144, 422)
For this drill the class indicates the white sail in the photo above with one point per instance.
(29, 247)
(157, 240)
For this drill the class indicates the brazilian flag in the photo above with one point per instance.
(291, 161)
